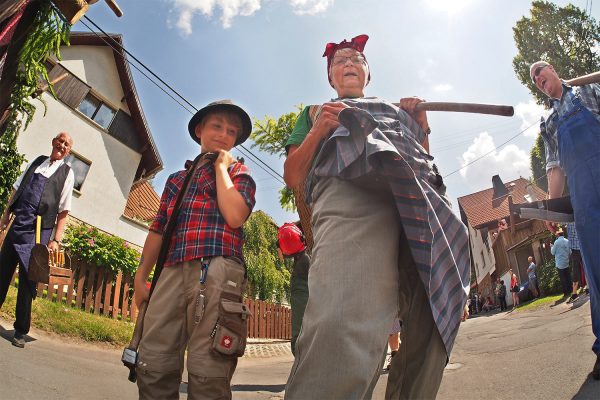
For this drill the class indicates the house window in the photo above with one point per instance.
(96, 110)
(80, 167)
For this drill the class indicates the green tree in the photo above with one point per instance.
(537, 158)
(270, 135)
(268, 277)
(566, 37)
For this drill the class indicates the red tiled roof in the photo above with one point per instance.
(480, 211)
(142, 203)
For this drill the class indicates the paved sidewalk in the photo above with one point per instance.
(265, 348)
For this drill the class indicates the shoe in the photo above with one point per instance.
(596, 370)
(572, 298)
(18, 340)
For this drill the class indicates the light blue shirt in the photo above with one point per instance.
(531, 271)
(561, 251)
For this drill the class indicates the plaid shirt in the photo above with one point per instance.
(573, 238)
(590, 98)
(201, 230)
(379, 138)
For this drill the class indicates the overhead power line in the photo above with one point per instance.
(118, 47)
(489, 152)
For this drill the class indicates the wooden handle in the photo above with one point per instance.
(594, 77)
(506, 111)
(115, 7)
(38, 229)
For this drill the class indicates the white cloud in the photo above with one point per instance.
(443, 87)
(530, 114)
(183, 11)
(509, 162)
(310, 7)
(186, 9)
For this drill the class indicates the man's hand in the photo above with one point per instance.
(408, 104)
(53, 246)
(141, 293)
(224, 159)
(327, 120)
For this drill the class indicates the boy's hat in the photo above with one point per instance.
(221, 105)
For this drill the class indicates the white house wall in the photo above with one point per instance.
(484, 263)
(95, 65)
(106, 188)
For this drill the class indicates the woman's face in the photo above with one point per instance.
(348, 73)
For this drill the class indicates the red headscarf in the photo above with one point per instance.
(357, 43)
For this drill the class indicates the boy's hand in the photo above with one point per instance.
(224, 159)
(141, 292)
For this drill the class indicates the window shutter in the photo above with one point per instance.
(123, 129)
(71, 90)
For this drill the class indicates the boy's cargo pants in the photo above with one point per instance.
(174, 322)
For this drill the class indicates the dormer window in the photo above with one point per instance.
(96, 110)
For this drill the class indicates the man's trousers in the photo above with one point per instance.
(171, 327)
(361, 278)
(565, 280)
(27, 289)
(298, 300)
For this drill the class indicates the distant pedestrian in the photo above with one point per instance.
(575, 260)
(561, 251)
(531, 275)
(502, 295)
(489, 305)
(291, 243)
(514, 288)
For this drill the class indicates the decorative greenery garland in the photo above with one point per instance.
(49, 31)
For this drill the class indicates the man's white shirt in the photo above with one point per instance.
(47, 169)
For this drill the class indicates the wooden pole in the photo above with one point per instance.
(73, 10)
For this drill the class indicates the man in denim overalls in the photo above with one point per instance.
(572, 138)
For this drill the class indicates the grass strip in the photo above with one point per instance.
(67, 321)
(539, 302)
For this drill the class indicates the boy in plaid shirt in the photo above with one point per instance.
(197, 302)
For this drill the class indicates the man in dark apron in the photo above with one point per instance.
(44, 190)
(572, 138)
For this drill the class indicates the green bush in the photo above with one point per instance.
(548, 278)
(101, 249)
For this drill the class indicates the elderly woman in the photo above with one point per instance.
(387, 244)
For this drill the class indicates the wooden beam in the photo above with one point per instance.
(73, 10)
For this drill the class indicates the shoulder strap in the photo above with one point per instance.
(199, 161)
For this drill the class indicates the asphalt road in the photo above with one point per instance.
(543, 354)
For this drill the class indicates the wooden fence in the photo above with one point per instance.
(99, 291)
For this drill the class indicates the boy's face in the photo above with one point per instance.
(216, 133)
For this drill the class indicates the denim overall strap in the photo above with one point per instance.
(579, 154)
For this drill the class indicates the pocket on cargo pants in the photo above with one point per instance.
(230, 331)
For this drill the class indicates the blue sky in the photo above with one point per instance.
(266, 56)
